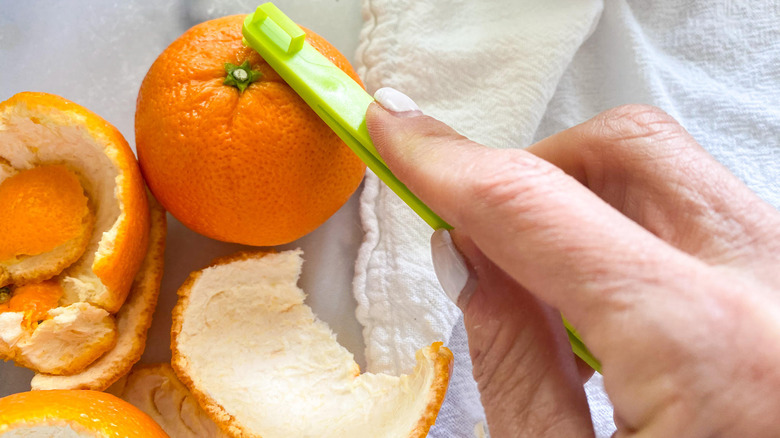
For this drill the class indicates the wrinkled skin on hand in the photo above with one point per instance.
(665, 263)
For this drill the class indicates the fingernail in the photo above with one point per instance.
(449, 265)
(397, 102)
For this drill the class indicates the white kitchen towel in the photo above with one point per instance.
(507, 72)
(488, 69)
(713, 65)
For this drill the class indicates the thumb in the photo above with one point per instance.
(521, 358)
(543, 228)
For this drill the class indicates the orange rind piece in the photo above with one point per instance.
(71, 337)
(73, 414)
(132, 321)
(34, 308)
(261, 364)
(33, 300)
(155, 390)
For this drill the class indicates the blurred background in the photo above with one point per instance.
(96, 54)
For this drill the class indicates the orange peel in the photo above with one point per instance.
(39, 129)
(155, 390)
(261, 364)
(132, 321)
(34, 300)
(79, 218)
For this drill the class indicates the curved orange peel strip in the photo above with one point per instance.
(261, 364)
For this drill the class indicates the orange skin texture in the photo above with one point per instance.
(257, 167)
(43, 207)
(35, 300)
(98, 413)
(117, 268)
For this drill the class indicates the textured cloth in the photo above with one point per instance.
(713, 65)
(488, 69)
(507, 72)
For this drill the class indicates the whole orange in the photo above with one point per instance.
(82, 413)
(256, 166)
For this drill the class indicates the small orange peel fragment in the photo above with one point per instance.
(34, 300)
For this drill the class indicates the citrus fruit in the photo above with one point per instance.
(261, 364)
(256, 166)
(73, 234)
(65, 413)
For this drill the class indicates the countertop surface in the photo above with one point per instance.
(97, 53)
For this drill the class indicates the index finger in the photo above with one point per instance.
(546, 230)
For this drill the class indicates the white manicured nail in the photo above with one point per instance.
(449, 265)
(397, 102)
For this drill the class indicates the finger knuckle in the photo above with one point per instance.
(636, 122)
(514, 183)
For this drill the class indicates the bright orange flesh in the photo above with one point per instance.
(257, 167)
(43, 208)
(104, 415)
(34, 299)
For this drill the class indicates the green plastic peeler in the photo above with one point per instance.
(332, 94)
(341, 103)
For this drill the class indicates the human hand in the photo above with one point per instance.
(665, 263)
